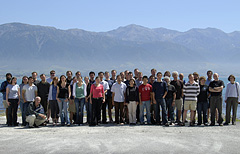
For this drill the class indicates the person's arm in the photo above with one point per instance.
(226, 94)
(174, 98)
(103, 93)
(57, 94)
(69, 92)
(23, 95)
(74, 90)
(140, 99)
(113, 95)
(137, 91)
(36, 91)
(19, 97)
(166, 90)
(165, 94)
(7, 92)
(153, 96)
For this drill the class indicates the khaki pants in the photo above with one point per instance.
(31, 119)
(132, 108)
(232, 103)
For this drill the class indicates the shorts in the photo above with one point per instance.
(72, 107)
(5, 104)
(190, 105)
(179, 103)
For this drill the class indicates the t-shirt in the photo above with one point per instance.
(97, 91)
(171, 91)
(178, 86)
(43, 89)
(203, 95)
(119, 90)
(145, 91)
(159, 88)
(63, 91)
(30, 92)
(191, 91)
(13, 91)
(218, 83)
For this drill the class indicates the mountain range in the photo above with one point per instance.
(25, 48)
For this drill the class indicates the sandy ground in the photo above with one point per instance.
(119, 139)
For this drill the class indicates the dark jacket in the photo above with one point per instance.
(132, 95)
(32, 109)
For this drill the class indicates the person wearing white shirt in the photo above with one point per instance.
(52, 75)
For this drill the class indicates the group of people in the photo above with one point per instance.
(130, 93)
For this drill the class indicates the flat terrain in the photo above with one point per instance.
(119, 139)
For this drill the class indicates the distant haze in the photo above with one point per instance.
(25, 48)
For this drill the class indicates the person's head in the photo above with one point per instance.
(215, 76)
(202, 80)
(167, 79)
(79, 79)
(55, 80)
(24, 79)
(119, 78)
(91, 75)
(130, 75)
(153, 71)
(69, 74)
(8, 77)
(34, 75)
(52, 73)
(136, 70)
(30, 80)
(62, 78)
(167, 73)
(78, 74)
(113, 72)
(37, 100)
(43, 77)
(159, 75)
(175, 75)
(101, 75)
(14, 80)
(196, 76)
(152, 78)
(181, 76)
(107, 75)
(190, 77)
(97, 80)
(86, 79)
(145, 79)
(122, 75)
(231, 78)
(209, 74)
(140, 76)
(126, 74)
(132, 82)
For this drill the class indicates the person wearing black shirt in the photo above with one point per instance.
(109, 96)
(69, 77)
(202, 103)
(87, 100)
(132, 100)
(216, 87)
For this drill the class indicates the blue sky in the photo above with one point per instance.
(106, 15)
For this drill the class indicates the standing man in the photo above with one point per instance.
(136, 71)
(209, 79)
(118, 98)
(138, 83)
(109, 96)
(160, 90)
(216, 87)
(145, 100)
(3, 91)
(123, 76)
(35, 80)
(52, 75)
(190, 90)
(114, 78)
(69, 77)
(91, 75)
(43, 91)
(29, 92)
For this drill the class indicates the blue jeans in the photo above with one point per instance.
(202, 108)
(63, 111)
(79, 103)
(89, 111)
(161, 102)
(24, 112)
(169, 107)
(146, 104)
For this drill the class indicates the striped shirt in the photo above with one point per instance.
(191, 91)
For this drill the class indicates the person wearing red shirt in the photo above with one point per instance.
(97, 97)
(145, 99)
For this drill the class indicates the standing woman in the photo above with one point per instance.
(87, 100)
(24, 82)
(13, 100)
(132, 100)
(52, 100)
(72, 108)
(232, 99)
(97, 97)
(79, 94)
(63, 96)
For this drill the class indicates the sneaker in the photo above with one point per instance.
(206, 124)
(220, 124)
(225, 124)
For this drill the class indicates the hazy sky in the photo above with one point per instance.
(106, 15)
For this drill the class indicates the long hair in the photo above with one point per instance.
(60, 82)
(13, 79)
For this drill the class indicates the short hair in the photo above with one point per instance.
(209, 71)
(136, 69)
(69, 72)
(119, 76)
(167, 72)
(8, 74)
(30, 77)
(42, 75)
(106, 72)
(166, 78)
(100, 73)
(130, 72)
(132, 79)
(23, 78)
(34, 72)
(77, 72)
(96, 77)
(86, 77)
(202, 78)
(159, 73)
(145, 77)
(113, 71)
(190, 75)
(195, 73)
(140, 73)
(91, 73)
(153, 69)
(174, 72)
(38, 97)
(232, 77)
(52, 71)
(152, 76)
